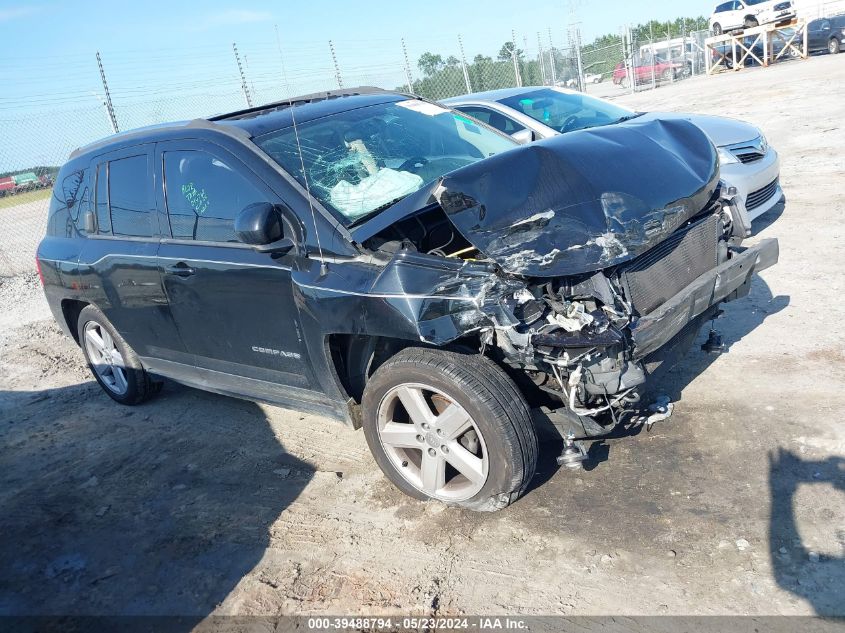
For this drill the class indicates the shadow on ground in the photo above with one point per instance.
(816, 577)
(158, 510)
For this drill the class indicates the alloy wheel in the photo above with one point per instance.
(433, 442)
(105, 358)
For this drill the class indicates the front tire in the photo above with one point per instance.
(114, 364)
(750, 23)
(717, 29)
(452, 427)
(833, 46)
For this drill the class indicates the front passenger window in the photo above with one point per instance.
(493, 119)
(204, 195)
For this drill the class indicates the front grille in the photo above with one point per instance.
(749, 157)
(757, 198)
(658, 275)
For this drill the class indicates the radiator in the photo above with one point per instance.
(659, 274)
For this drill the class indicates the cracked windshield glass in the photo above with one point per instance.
(361, 161)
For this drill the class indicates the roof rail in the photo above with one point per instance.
(141, 132)
(309, 98)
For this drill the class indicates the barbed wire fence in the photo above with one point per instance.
(40, 127)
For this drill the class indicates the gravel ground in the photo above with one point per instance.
(199, 504)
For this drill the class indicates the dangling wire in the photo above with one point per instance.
(323, 266)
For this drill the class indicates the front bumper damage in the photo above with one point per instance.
(728, 281)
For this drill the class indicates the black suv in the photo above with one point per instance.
(826, 34)
(386, 261)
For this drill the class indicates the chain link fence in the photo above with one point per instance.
(40, 129)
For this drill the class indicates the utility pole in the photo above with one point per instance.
(243, 76)
(669, 50)
(107, 100)
(540, 59)
(515, 60)
(464, 64)
(552, 58)
(581, 85)
(651, 45)
(575, 41)
(337, 76)
(408, 80)
(631, 61)
(628, 56)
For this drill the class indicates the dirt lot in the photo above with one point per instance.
(198, 504)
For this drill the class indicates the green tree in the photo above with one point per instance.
(506, 53)
(430, 63)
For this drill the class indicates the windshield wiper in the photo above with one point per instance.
(628, 117)
(374, 212)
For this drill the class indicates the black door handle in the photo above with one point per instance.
(180, 270)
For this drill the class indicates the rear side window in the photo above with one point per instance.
(102, 200)
(130, 197)
(204, 195)
(124, 198)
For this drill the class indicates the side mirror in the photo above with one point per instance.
(523, 136)
(260, 226)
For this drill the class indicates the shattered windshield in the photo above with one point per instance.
(361, 161)
(566, 111)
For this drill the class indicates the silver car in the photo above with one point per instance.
(531, 113)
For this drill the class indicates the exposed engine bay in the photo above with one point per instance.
(572, 335)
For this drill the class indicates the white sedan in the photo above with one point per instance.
(531, 113)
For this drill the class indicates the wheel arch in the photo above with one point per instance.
(71, 308)
(354, 358)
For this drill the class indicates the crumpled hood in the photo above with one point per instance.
(582, 201)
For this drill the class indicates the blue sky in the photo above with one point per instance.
(167, 60)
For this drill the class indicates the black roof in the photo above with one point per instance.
(274, 116)
(245, 124)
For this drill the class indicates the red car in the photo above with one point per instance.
(646, 69)
(7, 186)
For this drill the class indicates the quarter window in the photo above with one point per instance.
(204, 195)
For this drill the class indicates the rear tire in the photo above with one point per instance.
(833, 46)
(465, 436)
(717, 29)
(114, 364)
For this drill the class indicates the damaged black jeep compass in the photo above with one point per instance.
(383, 260)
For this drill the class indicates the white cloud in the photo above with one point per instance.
(230, 17)
(13, 13)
